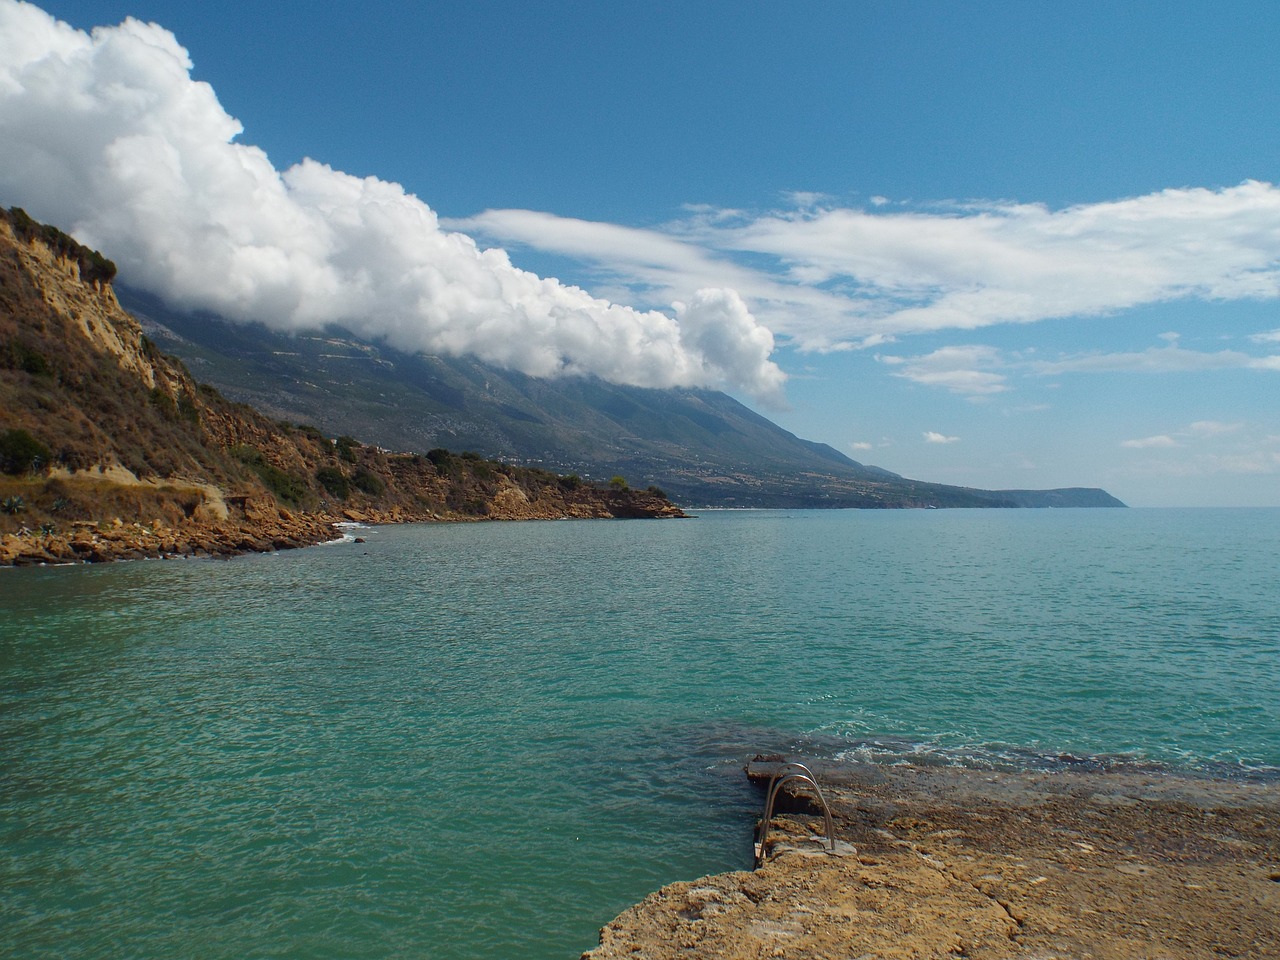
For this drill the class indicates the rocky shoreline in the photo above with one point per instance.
(938, 862)
(261, 526)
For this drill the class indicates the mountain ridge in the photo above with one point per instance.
(701, 446)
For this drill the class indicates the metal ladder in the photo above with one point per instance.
(798, 772)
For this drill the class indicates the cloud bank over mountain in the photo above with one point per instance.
(108, 136)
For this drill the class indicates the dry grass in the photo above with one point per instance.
(63, 501)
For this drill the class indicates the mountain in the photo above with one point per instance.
(701, 446)
(110, 448)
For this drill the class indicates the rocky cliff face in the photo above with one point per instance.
(110, 449)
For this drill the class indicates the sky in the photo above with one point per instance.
(1004, 245)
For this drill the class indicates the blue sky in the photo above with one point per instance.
(999, 244)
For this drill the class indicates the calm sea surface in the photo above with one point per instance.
(485, 740)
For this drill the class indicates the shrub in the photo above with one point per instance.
(249, 456)
(16, 355)
(347, 447)
(164, 403)
(334, 481)
(369, 483)
(657, 491)
(187, 409)
(475, 507)
(13, 505)
(444, 461)
(20, 452)
(285, 487)
(618, 483)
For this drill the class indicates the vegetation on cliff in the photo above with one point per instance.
(105, 440)
(93, 266)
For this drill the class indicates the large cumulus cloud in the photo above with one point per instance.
(107, 135)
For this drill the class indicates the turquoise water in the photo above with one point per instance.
(485, 740)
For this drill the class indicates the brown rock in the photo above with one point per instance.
(962, 863)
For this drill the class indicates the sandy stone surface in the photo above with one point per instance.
(958, 863)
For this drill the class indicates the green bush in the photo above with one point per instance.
(285, 487)
(369, 483)
(445, 462)
(20, 452)
(347, 447)
(618, 483)
(334, 481)
(16, 355)
(249, 456)
(187, 408)
(164, 403)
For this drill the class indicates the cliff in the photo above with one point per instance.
(109, 448)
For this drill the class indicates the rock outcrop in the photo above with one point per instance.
(945, 862)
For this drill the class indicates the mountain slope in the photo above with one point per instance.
(701, 446)
(108, 447)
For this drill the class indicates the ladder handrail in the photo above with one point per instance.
(780, 778)
(813, 779)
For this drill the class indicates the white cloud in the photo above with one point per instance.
(1170, 359)
(717, 325)
(1000, 263)
(1271, 336)
(655, 267)
(1148, 443)
(976, 371)
(1256, 462)
(108, 136)
(838, 275)
(931, 436)
(805, 198)
(1246, 463)
(860, 445)
(1214, 428)
(961, 369)
(1211, 447)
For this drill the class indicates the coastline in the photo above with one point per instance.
(946, 861)
(260, 526)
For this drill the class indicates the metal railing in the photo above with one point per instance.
(802, 774)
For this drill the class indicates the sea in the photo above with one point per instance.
(485, 740)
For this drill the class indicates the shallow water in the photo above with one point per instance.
(485, 740)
